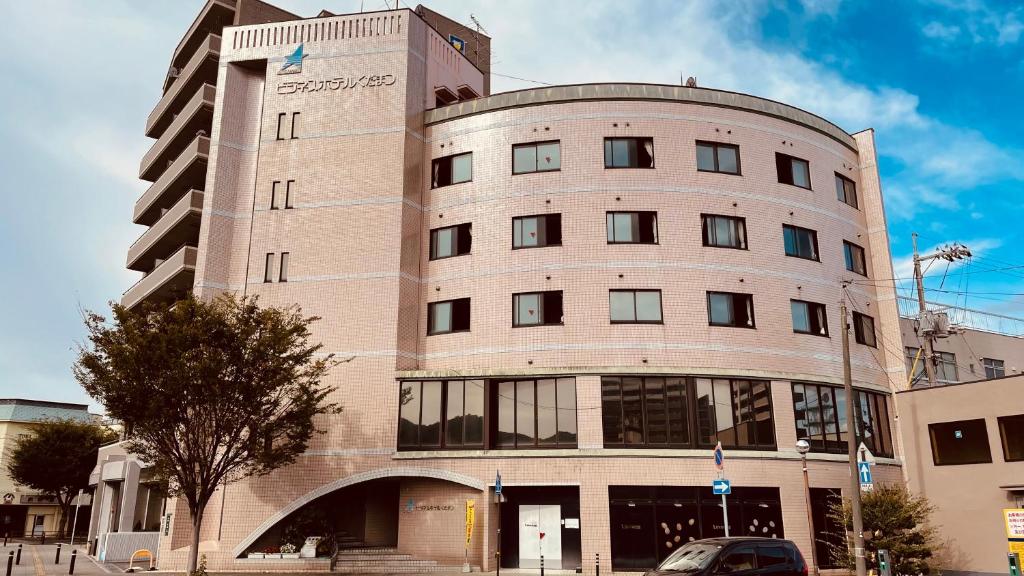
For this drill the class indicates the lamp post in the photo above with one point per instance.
(803, 447)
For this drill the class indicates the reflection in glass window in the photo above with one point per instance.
(846, 190)
(537, 231)
(854, 256)
(536, 157)
(715, 157)
(451, 170)
(632, 227)
(448, 316)
(809, 317)
(536, 413)
(820, 416)
(629, 153)
(451, 241)
(792, 170)
(800, 242)
(724, 231)
(537, 308)
(731, 309)
(634, 306)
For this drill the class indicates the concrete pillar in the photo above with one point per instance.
(129, 492)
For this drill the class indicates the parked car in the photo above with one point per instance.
(736, 557)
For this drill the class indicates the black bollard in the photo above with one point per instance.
(17, 559)
(6, 534)
(42, 539)
(541, 565)
(597, 564)
(57, 559)
(71, 568)
(10, 562)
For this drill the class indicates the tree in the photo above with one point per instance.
(57, 458)
(209, 392)
(898, 522)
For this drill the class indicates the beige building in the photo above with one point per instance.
(965, 447)
(584, 288)
(23, 511)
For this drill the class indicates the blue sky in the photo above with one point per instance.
(940, 81)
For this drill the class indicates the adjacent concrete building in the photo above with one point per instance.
(584, 288)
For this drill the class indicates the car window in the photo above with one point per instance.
(768, 556)
(691, 557)
(737, 559)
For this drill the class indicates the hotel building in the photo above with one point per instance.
(582, 287)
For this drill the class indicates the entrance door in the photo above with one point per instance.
(37, 525)
(534, 520)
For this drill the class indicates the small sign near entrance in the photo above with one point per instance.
(864, 471)
(721, 487)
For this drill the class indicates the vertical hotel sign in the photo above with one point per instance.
(470, 519)
(1014, 518)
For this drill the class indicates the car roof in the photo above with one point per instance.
(750, 539)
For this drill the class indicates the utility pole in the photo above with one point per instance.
(949, 254)
(851, 444)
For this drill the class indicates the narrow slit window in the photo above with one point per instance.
(283, 276)
(295, 125)
(274, 194)
(268, 271)
(288, 194)
(281, 126)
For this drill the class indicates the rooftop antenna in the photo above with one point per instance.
(476, 37)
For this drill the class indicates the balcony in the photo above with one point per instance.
(187, 172)
(214, 16)
(170, 280)
(200, 69)
(176, 227)
(196, 116)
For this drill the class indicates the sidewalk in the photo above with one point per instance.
(38, 560)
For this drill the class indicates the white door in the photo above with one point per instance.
(534, 520)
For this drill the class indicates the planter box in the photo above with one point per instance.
(290, 555)
(273, 556)
(259, 555)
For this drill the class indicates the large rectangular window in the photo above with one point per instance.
(854, 256)
(993, 368)
(451, 241)
(537, 308)
(534, 413)
(800, 242)
(864, 329)
(536, 157)
(632, 227)
(724, 231)
(640, 411)
(537, 231)
(448, 316)
(731, 309)
(452, 170)
(915, 363)
(634, 306)
(716, 157)
(820, 414)
(846, 190)
(945, 367)
(441, 414)
(1011, 432)
(737, 413)
(629, 153)
(792, 170)
(961, 442)
(809, 317)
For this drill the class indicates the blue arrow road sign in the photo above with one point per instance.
(721, 486)
(864, 469)
(497, 483)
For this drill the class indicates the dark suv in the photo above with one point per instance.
(736, 557)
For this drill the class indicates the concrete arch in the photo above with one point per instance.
(407, 471)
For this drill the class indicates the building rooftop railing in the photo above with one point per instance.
(966, 317)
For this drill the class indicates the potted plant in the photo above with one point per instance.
(271, 552)
(288, 551)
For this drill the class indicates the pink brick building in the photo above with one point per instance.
(583, 288)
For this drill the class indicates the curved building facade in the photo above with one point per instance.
(581, 288)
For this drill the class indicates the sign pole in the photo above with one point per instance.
(74, 523)
(720, 464)
(725, 516)
(497, 492)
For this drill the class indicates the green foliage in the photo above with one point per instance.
(210, 392)
(898, 522)
(201, 569)
(310, 521)
(58, 458)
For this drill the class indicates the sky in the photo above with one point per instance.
(939, 81)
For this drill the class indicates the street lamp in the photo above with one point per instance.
(803, 447)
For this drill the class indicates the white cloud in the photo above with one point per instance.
(828, 8)
(940, 31)
(981, 22)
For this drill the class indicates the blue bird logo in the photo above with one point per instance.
(293, 62)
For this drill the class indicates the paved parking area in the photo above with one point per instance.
(38, 560)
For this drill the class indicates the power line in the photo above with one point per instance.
(493, 73)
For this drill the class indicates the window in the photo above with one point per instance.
(793, 170)
(268, 271)
(629, 153)
(632, 227)
(737, 413)
(737, 560)
(448, 316)
(724, 231)
(273, 194)
(820, 414)
(945, 367)
(452, 170)
(730, 309)
(282, 126)
(829, 532)
(800, 242)
(653, 412)
(846, 190)
(715, 157)
(536, 157)
(288, 194)
(768, 556)
(809, 318)
(537, 308)
(962, 442)
(537, 231)
(1011, 431)
(283, 275)
(913, 360)
(993, 368)
(451, 241)
(864, 329)
(295, 121)
(436, 414)
(634, 306)
(534, 413)
(855, 261)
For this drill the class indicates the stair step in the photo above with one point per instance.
(390, 563)
(369, 550)
(372, 557)
(388, 570)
